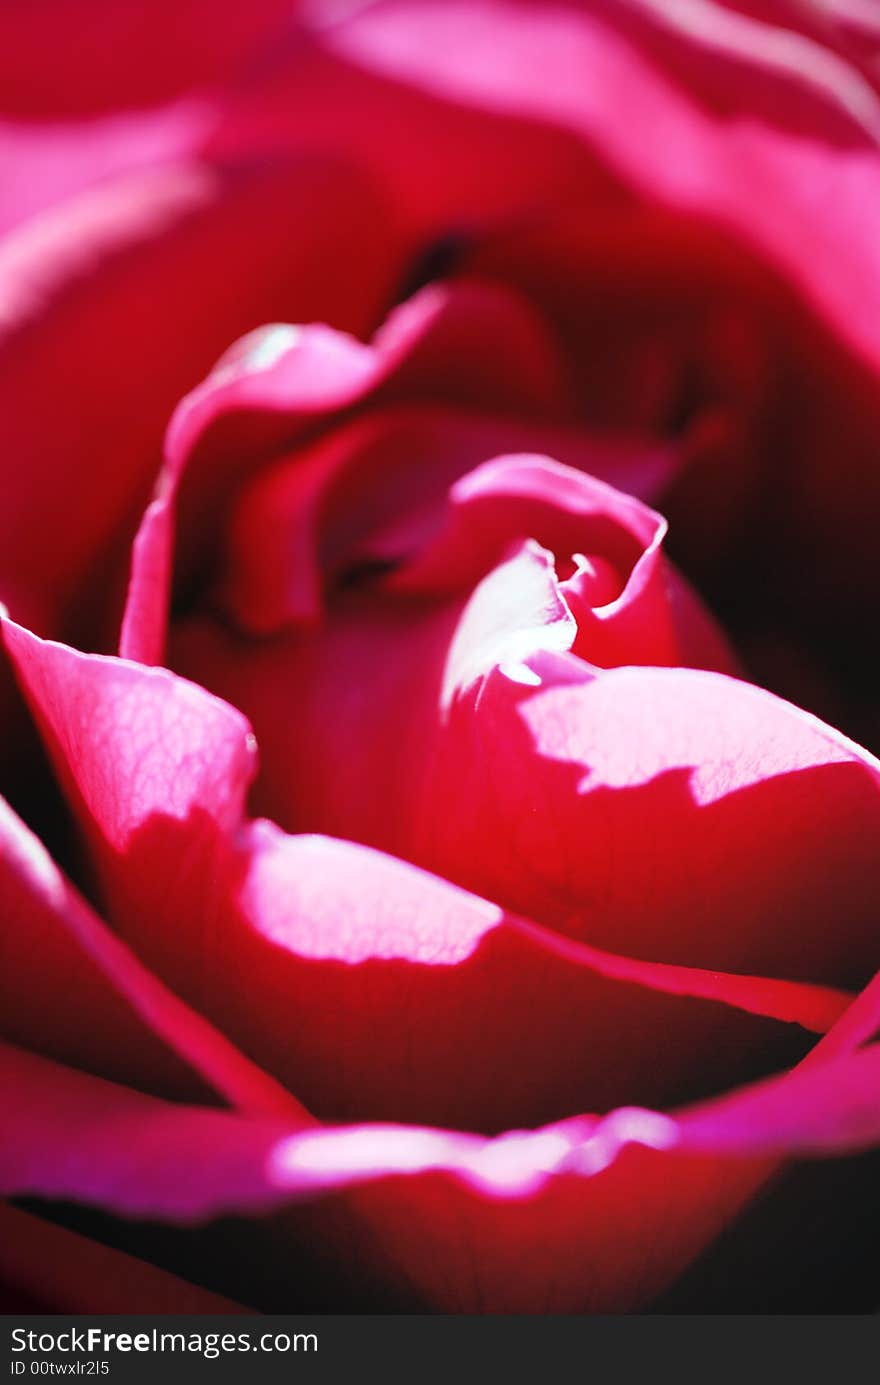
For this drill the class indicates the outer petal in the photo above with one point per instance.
(670, 324)
(562, 792)
(363, 974)
(566, 794)
(778, 812)
(858, 1025)
(822, 1108)
(178, 46)
(778, 117)
(70, 989)
(49, 162)
(383, 990)
(79, 1137)
(47, 1269)
(443, 1201)
(483, 164)
(178, 756)
(860, 26)
(591, 1214)
(115, 272)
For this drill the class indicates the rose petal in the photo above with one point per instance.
(181, 45)
(860, 25)
(104, 270)
(491, 344)
(81, 1138)
(99, 1007)
(176, 748)
(47, 1269)
(472, 343)
(753, 118)
(698, 337)
(571, 1240)
(859, 1023)
(50, 162)
(421, 977)
(779, 813)
(384, 990)
(822, 1109)
(442, 618)
(648, 615)
(482, 164)
(588, 1215)
(566, 795)
(376, 488)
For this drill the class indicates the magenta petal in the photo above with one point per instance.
(617, 1204)
(181, 761)
(497, 565)
(752, 117)
(629, 603)
(564, 792)
(484, 343)
(177, 46)
(493, 1204)
(779, 812)
(80, 1137)
(100, 1008)
(176, 749)
(47, 1269)
(819, 1109)
(46, 163)
(859, 26)
(379, 977)
(859, 1023)
(156, 769)
(94, 278)
(493, 346)
(356, 496)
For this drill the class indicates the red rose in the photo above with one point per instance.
(541, 936)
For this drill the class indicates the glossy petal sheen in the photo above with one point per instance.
(580, 1195)
(562, 790)
(475, 583)
(513, 1006)
(779, 814)
(473, 344)
(346, 973)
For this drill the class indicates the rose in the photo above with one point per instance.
(239, 178)
(329, 930)
(351, 976)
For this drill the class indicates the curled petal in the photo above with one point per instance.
(618, 1204)
(481, 343)
(375, 490)
(363, 973)
(72, 298)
